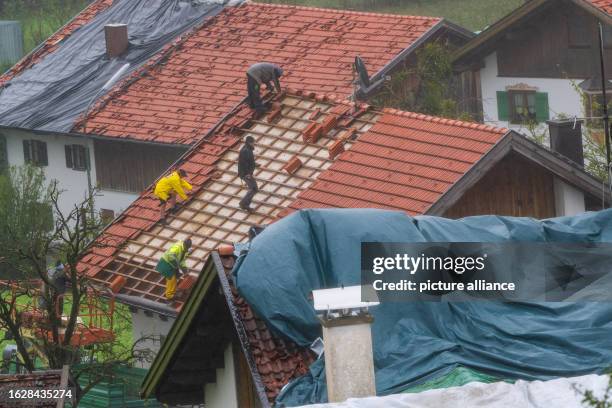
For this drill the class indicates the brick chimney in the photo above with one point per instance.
(566, 139)
(116, 36)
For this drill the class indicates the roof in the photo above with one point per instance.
(319, 151)
(179, 97)
(44, 380)
(601, 9)
(312, 152)
(406, 161)
(50, 45)
(272, 360)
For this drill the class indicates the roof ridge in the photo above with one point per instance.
(446, 121)
(342, 11)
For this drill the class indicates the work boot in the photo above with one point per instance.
(246, 208)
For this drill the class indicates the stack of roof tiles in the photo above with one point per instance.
(41, 380)
(201, 77)
(388, 159)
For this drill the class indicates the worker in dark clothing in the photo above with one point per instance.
(246, 167)
(260, 74)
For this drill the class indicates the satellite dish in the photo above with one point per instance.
(362, 73)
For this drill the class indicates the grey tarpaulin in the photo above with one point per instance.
(54, 92)
(419, 341)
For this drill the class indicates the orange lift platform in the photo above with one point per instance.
(94, 322)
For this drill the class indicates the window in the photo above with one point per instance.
(35, 152)
(522, 106)
(76, 157)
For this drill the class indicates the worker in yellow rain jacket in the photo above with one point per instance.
(168, 187)
(172, 264)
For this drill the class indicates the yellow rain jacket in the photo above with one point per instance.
(168, 184)
(172, 260)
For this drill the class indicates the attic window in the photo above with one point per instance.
(76, 157)
(35, 152)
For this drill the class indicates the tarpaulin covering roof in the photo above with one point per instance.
(56, 83)
(418, 341)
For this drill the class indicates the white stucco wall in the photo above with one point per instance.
(562, 97)
(72, 182)
(222, 394)
(144, 326)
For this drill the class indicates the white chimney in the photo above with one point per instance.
(116, 36)
(347, 342)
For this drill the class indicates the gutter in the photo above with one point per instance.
(96, 137)
(147, 304)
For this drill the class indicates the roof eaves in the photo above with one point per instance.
(593, 9)
(242, 335)
(559, 165)
(471, 177)
(178, 330)
(399, 58)
(497, 27)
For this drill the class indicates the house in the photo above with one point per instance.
(540, 62)
(183, 78)
(244, 336)
(313, 152)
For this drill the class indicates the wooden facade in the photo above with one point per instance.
(131, 167)
(515, 186)
(559, 41)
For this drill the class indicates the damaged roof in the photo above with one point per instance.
(312, 151)
(182, 95)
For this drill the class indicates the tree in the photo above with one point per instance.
(425, 86)
(33, 229)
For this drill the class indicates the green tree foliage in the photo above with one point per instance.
(425, 86)
(25, 217)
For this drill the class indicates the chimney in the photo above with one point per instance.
(566, 139)
(347, 342)
(116, 39)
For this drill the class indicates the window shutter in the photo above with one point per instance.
(502, 106)
(542, 111)
(68, 149)
(42, 154)
(27, 152)
(3, 153)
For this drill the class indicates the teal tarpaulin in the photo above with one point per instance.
(415, 342)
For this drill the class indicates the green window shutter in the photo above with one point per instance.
(542, 111)
(503, 112)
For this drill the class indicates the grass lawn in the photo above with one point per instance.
(39, 19)
(472, 14)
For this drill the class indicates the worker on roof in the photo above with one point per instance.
(246, 167)
(260, 74)
(168, 187)
(172, 265)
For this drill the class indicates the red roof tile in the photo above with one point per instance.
(392, 159)
(278, 361)
(42, 380)
(50, 44)
(406, 161)
(604, 5)
(203, 75)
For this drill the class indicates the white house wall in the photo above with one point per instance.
(151, 327)
(73, 183)
(222, 394)
(563, 99)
